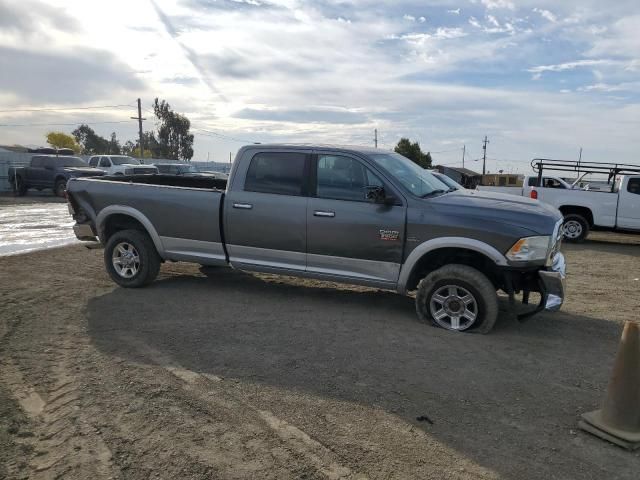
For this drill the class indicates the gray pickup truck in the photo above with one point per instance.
(353, 215)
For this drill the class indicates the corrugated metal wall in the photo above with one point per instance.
(8, 159)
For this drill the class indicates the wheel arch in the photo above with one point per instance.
(436, 253)
(577, 210)
(120, 217)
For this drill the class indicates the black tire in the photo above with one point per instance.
(576, 228)
(60, 187)
(462, 278)
(148, 265)
(18, 186)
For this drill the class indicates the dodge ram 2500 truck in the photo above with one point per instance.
(49, 171)
(353, 215)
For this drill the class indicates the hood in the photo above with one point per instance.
(533, 215)
(83, 171)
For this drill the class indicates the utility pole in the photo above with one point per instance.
(140, 119)
(375, 137)
(464, 150)
(484, 155)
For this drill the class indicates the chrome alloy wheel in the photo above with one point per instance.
(126, 260)
(453, 308)
(572, 229)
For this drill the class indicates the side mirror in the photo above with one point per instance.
(375, 194)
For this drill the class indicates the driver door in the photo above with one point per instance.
(348, 235)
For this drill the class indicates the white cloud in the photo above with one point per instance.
(498, 4)
(473, 21)
(492, 20)
(422, 19)
(561, 67)
(546, 14)
(411, 18)
(454, 11)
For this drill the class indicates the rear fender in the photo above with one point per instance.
(132, 212)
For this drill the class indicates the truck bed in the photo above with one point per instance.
(181, 214)
(184, 181)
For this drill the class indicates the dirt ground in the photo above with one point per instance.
(222, 374)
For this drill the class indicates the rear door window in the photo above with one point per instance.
(93, 161)
(278, 173)
(105, 162)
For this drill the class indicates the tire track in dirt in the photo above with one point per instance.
(64, 442)
(207, 387)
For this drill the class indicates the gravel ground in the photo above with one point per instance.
(222, 374)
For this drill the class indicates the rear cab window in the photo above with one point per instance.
(280, 173)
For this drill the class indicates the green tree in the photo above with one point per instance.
(174, 139)
(413, 152)
(62, 140)
(91, 142)
(152, 148)
(114, 145)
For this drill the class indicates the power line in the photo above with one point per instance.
(241, 140)
(94, 107)
(57, 124)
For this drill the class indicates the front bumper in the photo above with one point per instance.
(550, 282)
(553, 284)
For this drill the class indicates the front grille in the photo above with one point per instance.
(144, 170)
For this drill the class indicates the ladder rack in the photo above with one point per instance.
(579, 167)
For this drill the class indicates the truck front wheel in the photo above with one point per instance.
(457, 297)
(131, 259)
(576, 228)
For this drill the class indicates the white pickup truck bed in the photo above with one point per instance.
(584, 209)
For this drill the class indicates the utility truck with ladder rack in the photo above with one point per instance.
(616, 208)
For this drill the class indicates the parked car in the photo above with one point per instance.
(120, 165)
(360, 216)
(186, 169)
(49, 171)
(617, 208)
(448, 181)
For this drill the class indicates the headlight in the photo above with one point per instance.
(128, 171)
(530, 249)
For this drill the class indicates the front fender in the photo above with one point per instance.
(445, 242)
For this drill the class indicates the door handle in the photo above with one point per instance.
(243, 206)
(322, 213)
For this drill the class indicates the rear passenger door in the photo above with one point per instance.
(266, 212)
(36, 172)
(348, 235)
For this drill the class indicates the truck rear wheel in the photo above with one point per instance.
(457, 297)
(576, 228)
(131, 259)
(18, 186)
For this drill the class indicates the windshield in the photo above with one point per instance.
(187, 169)
(124, 160)
(414, 178)
(448, 181)
(71, 162)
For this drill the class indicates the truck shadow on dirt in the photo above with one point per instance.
(514, 394)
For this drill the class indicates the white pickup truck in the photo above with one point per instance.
(615, 209)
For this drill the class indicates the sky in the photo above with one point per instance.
(539, 78)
